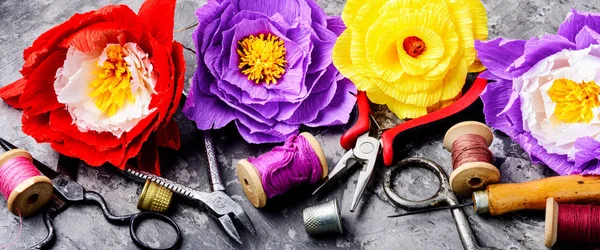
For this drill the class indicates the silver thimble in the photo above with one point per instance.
(323, 218)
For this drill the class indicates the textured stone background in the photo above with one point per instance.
(280, 224)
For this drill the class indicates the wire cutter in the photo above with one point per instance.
(364, 148)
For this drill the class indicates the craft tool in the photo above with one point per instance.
(571, 224)
(444, 196)
(471, 158)
(154, 198)
(364, 149)
(504, 198)
(299, 161)
(25, 189)
(67, 192)
(323, 218)
(427, 210)
(220, 205)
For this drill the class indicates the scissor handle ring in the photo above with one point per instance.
(439, 197)
(136, 219)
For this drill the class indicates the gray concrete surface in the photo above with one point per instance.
(280, 224)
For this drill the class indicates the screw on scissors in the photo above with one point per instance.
(444, 196)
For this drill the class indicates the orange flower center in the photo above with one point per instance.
(413, 46)
(112, 86)
(262, 58)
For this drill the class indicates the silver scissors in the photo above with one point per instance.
(444, 196)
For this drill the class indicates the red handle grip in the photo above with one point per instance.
(362, 124)
(388, 137)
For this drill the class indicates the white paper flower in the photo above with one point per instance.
(108, 90)
(560, 99)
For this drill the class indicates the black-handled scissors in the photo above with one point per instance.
(68, 191)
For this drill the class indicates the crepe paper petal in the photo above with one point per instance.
(336, 25)
(538, 49)
(168, 136)
(53, 84)
(12, 92)
(522, 100)
(412, 56)
(148, 159)
(266, 112)
(498, 54)
(158, 14)
(576, 20)
(586, 38)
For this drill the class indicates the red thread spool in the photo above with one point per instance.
(23, 186)
(572, 224)
(471, 157)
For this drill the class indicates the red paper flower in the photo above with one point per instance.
(97, 86)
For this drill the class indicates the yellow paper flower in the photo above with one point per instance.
(412, 55)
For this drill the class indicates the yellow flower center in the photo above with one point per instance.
(112, 86)
(413, 46)
(262, 59)
(574, 102)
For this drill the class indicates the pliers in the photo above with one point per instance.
(364, 149)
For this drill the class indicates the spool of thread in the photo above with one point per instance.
(299, 161)
(471, 157)
(154, 198)
(21, 183)
(571, 224)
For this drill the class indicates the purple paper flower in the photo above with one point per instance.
(545, 93)
(266, 65)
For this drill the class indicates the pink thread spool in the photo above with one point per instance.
(251, 179)
(23, 186)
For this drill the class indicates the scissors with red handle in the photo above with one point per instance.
(364, 148)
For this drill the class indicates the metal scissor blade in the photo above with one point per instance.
(67, 166)
(245, 220)
(47, 171)
(229, 227)
(345, 162)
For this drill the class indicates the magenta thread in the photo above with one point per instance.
(287, 166)
(13, 172)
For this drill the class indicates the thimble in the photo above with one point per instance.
(323, 218)
(154, 198)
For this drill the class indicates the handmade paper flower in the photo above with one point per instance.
(96, 86)
(545, 93)
(411, 55)
(266, 65)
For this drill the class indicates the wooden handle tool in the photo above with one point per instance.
(510, 197)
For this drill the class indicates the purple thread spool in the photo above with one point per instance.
(300, 161)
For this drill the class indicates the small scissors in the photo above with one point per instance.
(67, 192)
(364, 149)
(444, 196)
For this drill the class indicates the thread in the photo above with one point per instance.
(470, 148)
(471, 158)
(22, 184)
(578, 224)
(293, 164)
(14, 241)
(300, 161)
(14, 172)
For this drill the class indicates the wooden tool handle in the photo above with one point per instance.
(505, 198)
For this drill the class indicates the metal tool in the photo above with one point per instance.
(364, 148)
(444, 196)
(67, 192)
(217, 201)
(432, 209)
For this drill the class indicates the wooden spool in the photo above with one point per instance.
(551, 225)
(252, 182)
(474, 175)
(32, 194)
